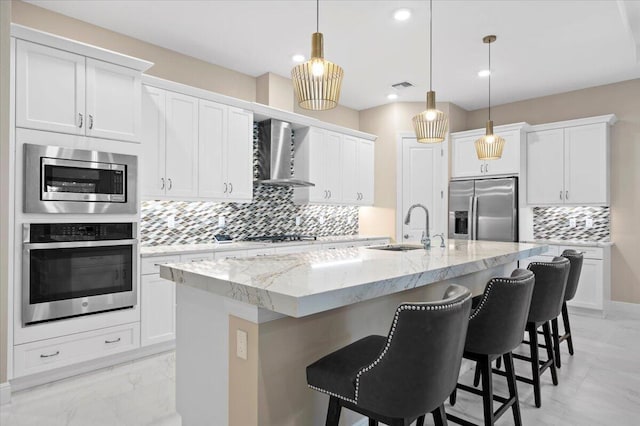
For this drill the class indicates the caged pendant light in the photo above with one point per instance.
(317, 82)
(490, 146)
(430, 125)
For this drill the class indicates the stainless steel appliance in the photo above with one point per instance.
(275, 143)
(484, 209)
(71, 269)
(65, 180)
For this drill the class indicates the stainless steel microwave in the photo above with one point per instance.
(66, 180)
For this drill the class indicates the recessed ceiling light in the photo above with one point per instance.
(402, 14)
(298, 58)
(484, 73)
(392, 96)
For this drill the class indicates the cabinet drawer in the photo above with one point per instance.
(230, 254)
(588, 252)
(47, 354)
(297, 249)
(196, 257)
(150, 265)
(261, 252)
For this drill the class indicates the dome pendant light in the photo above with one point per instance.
(490, 146)
(430, 125)
(317, 82)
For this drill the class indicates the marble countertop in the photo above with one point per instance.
(306, 283)
(148, 251)
(573, 243)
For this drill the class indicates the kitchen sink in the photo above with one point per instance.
(398, 247)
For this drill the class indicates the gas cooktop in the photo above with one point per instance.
(283, 238)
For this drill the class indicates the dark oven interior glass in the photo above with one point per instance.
(59, 178)
(68, 273)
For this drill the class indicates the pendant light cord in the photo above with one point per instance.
(317, 16)
(490, 71)
(430, 44)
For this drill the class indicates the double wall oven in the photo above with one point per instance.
(72, 269)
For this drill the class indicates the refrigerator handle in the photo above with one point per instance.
(474, 218)
(471, 221)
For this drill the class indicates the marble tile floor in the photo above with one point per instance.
(600, 385)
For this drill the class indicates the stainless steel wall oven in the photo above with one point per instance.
(72, 269)
(65, 180)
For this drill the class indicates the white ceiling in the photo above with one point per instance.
(543, 47)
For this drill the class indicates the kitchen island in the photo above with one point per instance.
(247, 328)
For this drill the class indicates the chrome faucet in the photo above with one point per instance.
(441, 240)
(425, 240)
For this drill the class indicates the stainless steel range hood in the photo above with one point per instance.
(274, 154)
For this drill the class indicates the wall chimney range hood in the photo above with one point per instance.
(274, 154)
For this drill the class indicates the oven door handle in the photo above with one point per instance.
(79, 244)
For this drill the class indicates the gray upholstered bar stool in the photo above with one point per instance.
(398, 378)
(546, 303)
(496, 326)
(575, 258)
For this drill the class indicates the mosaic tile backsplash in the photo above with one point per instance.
(552, 223)
(271, 212)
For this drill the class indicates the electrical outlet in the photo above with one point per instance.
(298, 221)
(349, 220)
(241, 344)
(588, 223)
(321, 220)
(221, 221)
(573, 223)
(171, 221)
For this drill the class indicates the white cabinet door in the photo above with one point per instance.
(590, 287)
(585, 174)
(211, 156)
(50, 89)
(545, 167)
(465, 159)
(332, 166)
(366, 171)
(113, 101)
(158, 310)
(240, 155)
(182, 145)
(315, 150)
(350, 170)
(152, 164)
(509, 163)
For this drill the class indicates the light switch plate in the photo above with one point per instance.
(241, 344)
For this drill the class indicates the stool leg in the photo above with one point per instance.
(420, 421)
(555, 334)
(476, 375)
(567, 326)
(452, 397)
(374, 422)
(513, 388)
(535, 362)
(333, 412)
(547, 341)
(487, 390)
(439, 416)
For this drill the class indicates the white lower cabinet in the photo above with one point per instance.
(43, 355)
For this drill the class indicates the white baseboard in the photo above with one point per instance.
(26, 382)
(623, 310)
(5, 393)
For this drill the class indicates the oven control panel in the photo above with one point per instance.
(54, 232)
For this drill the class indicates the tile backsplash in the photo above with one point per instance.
(553, 223)
(271, 212)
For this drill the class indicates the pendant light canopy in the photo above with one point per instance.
(430, 125)
(317, 82)
(490, 146)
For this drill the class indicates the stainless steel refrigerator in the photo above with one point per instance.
(484, 209)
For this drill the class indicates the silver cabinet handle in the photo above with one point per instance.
(56, 353)
(406, 236)
(225, 187)
(112, 341)
(566, 195)
(486, 168)
(170, 184)
(561, 195)
(81, 120)
(329, 193)
(90, 121)
(230, 187)
(162, 181)
(325, 194)
(481, 168)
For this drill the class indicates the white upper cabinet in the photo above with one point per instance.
(357, 171)
(152, 164)
(63, 92)
(113, 101)
(50, 89)
(181, 145)
(465, 163)
(239, 155)
(568, 162)
(332, 166)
